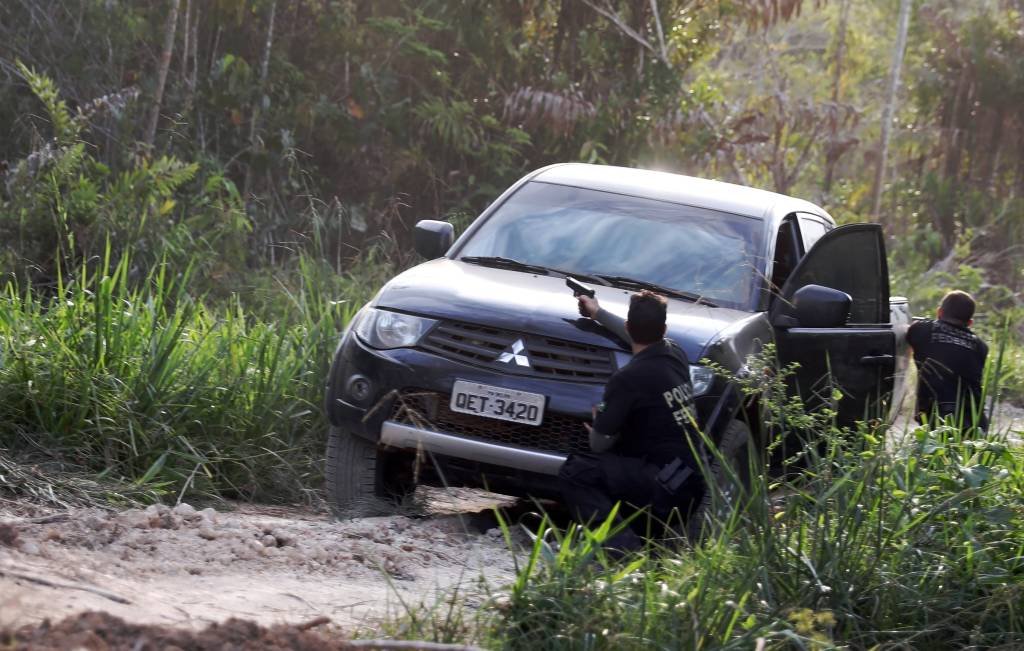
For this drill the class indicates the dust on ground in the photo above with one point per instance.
(189, 568)
(1009, 419)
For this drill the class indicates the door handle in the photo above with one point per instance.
(878, 360)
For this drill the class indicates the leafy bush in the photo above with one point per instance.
(62, 206)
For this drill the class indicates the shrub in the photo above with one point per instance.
(61, 206)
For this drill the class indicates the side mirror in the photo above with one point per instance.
(432, 238)
(816, 306)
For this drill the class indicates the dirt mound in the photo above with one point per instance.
(101, 632)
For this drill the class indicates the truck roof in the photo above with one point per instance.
(677, 188)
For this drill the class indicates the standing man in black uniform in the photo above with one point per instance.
(950, 361)
(642, 438)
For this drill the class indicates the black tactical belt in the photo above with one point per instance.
(673, 475)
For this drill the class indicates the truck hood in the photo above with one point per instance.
(537, 304)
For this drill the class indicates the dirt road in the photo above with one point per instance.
(267, 564)
(183, 567)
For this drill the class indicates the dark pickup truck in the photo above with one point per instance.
(475, 367)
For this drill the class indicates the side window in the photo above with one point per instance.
(811, 228)
(787, 253)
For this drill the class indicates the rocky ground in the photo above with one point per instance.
(186, 567)
(1009, 419)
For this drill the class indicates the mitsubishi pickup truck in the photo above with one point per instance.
(475, 367)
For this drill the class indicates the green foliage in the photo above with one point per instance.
(137, 380)
(65, 128)
(883, 540)
(395, 110)
(63, 206)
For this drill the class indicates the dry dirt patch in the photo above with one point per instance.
(271, 565)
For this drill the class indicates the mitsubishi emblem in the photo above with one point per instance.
(515, 353)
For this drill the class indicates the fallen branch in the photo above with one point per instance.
(66, 586)
(313, 623)
(48, 519)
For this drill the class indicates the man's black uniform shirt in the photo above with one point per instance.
(649, 404)
(950, 361)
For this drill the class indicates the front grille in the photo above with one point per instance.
(430, 409)
(547, 357)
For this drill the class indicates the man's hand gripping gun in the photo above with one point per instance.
(578, 288)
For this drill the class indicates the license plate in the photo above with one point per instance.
(497, 402)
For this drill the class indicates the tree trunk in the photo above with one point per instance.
(261, 96)
(188, 55)
(837, 81)
(991, 159)
(837, 84)
(661, 31)
(1018, 185)
(185, 45)
(951, 169)
(890, 106)
(161, 79)
(194, 80)
(565, 46)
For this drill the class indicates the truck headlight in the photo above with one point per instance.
(387, 329)
(701, 378)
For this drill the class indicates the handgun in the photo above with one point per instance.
(578, 288)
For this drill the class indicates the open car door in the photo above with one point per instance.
(841, 342)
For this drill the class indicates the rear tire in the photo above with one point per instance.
(362, 479)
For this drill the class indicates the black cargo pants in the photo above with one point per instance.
(592, 484)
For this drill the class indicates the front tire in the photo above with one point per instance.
(362, 479)
(730, 475)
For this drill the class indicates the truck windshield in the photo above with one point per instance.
(694, 250)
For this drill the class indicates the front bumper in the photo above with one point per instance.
(401, 435)
(522, 451)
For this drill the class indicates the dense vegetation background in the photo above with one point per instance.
(197, 194)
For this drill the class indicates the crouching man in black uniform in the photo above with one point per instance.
(950, 364)
(641, 437)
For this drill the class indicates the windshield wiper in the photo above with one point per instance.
(580, 275)
(509, 263)
(633, 283)
(504, 263)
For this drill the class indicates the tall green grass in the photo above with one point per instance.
(138, 380)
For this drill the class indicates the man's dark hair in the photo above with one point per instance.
(646, 319)
(957, 307)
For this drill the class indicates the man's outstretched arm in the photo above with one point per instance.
(590, 308)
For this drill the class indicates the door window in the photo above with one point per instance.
(811, 228)
(850, 259)
(787, 254)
